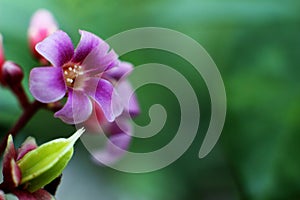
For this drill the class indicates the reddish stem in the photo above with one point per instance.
(19, 91)
(29, 111)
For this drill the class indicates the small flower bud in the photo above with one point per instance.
(2, 58)
(42, 24)
(11, 74)
(2, 195)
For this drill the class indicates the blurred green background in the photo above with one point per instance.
(256, 46)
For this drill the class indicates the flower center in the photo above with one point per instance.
(71, 72)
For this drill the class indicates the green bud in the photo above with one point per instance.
(43, 164)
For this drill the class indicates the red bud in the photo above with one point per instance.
(2, 58)
(11, 74)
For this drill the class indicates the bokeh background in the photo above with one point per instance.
(256, 46)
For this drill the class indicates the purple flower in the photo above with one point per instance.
(119, 132)
(77, 73)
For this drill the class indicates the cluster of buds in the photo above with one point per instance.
(30, 171)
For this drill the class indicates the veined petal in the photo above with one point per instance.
(102, 91)
(114, 150)
(97, 122)
(128, 98)
(121, 71)
(77, 109)
(87, 43)
(47, 84)
(99, 60)
(57, 48)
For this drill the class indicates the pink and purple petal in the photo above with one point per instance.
(87, 43)
(114, 150)
(120, 72)
(121, 125)
(129, 98)
(97, 122)
(57, 48)
(99, 60)
(47, 84)
(77, 109)
(27, 146)
(102, 91)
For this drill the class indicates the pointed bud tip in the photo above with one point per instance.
(77, 135)
(9, 141)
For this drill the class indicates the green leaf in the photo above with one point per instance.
(42, 165)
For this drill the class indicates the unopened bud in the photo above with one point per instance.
(11, 74)
(2, 57)
(42, 24)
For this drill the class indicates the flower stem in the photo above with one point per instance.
(19, 91)
(28, 113)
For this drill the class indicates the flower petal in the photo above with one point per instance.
(28, 145)
(97, 122)
(114, 150)
(121, 71)
(47, 84)
(128, 98)
(102, 91)
(57, 48)
(77, 109)
(99, 60)
(87, 43)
